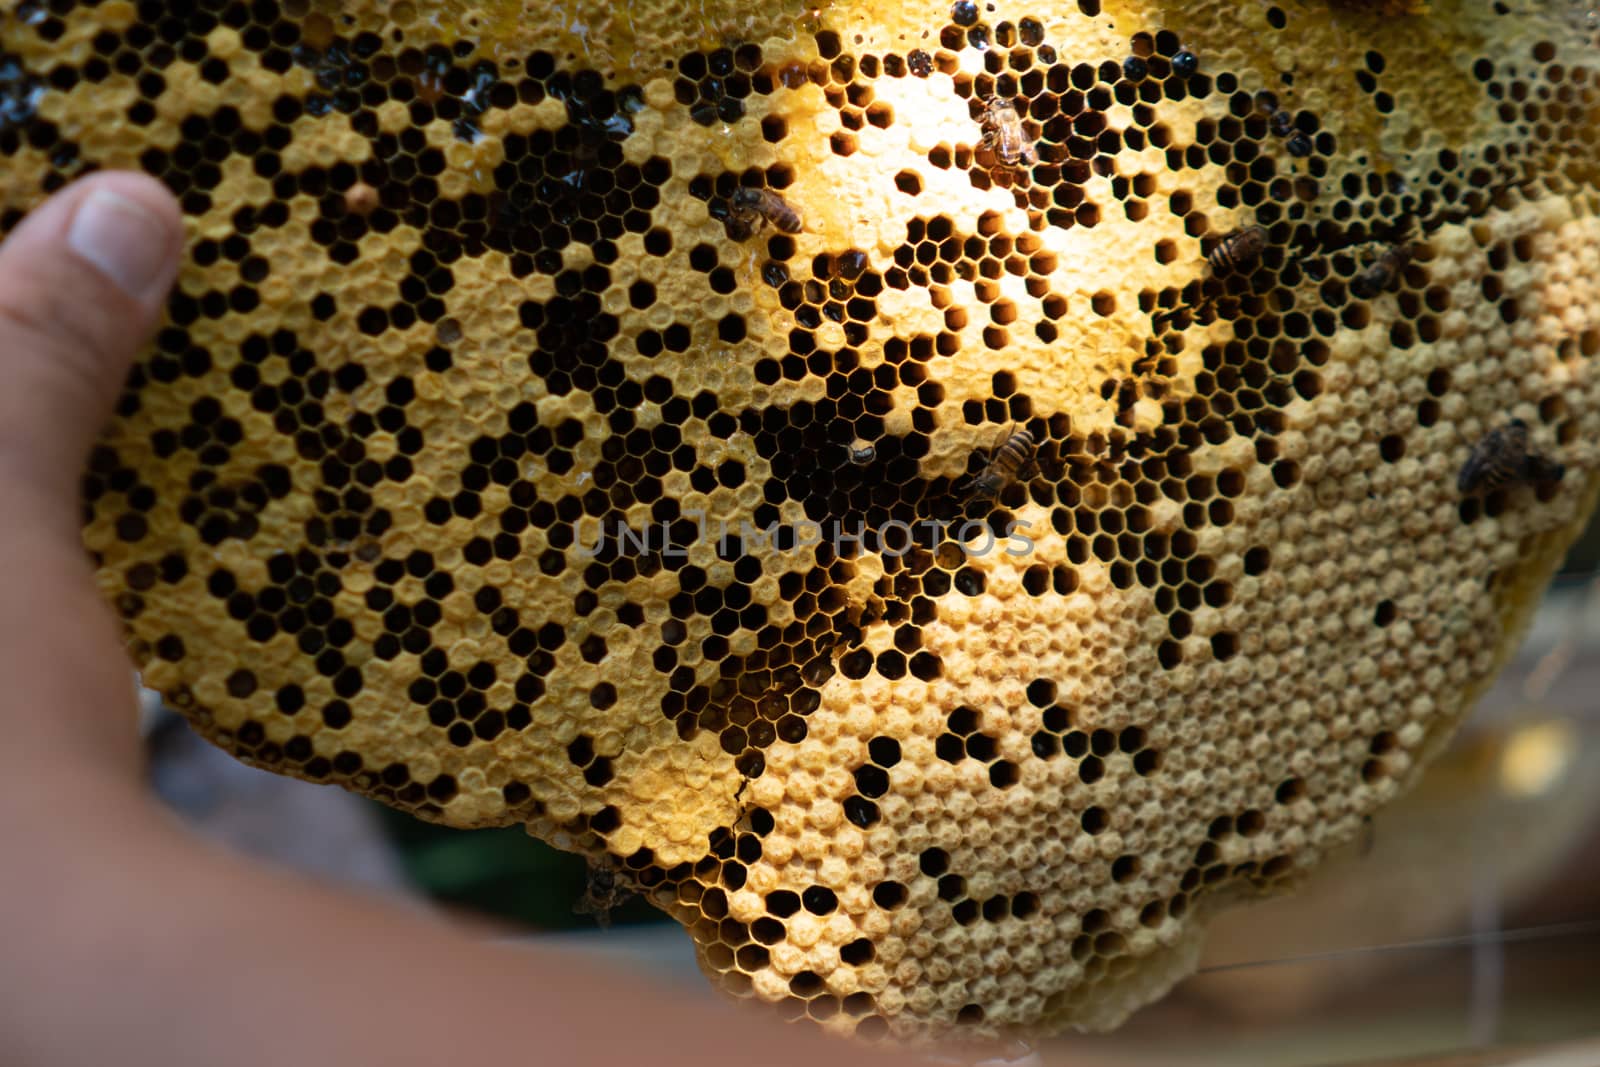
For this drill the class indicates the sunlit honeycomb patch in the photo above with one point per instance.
(939, 499)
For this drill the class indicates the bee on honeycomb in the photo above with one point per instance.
(1011, 456)
(1003, 132)
(605, 889)
(1378, 277)
(751, 209)
(1502, 458)
(1238, 251)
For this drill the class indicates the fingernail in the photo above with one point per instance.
(124, 242)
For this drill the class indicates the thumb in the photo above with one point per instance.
(82, 283)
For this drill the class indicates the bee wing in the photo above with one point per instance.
(971, 487)
(974, 482)
(1545, 469)
(1031, 468)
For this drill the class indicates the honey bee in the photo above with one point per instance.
(1281, 119)
(606, 889)
(1501, 458)
(1382, 273)
(1003, 133)
(1282, 122)
(751, 209)
(1238, 252)
(1010, 457)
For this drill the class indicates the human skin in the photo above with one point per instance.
(125, 939)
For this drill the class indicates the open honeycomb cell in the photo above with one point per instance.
(941, 606)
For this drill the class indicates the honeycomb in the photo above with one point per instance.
(941, 610)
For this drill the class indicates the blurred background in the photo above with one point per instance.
(1464, 929)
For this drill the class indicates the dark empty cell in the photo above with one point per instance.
(782, 903)
(962, 721)
(819, 900)
(336, 714)
(1046, 745)
(1091, 769)
(373, 321)
(658, 242)
(872, 781)
(861, 812)
(982, 747)
(241, 683)
(889, 895)
(290, 699)
(768, 931)
(442, 789)
(805, 984)
(857, 952)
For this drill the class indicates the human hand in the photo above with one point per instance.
(125, 938)
(82, 283)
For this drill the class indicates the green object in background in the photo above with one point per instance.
(503, 874)
(1583, 558)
